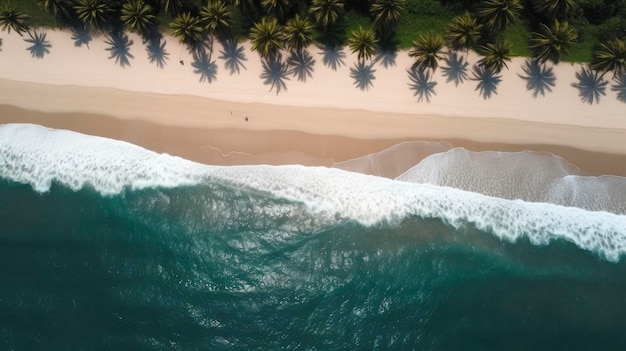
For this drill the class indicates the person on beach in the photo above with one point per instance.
(245, 117)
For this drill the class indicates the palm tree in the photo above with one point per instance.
(58, 7)
(279, 7)
(298, 33)
(463, 32)
(550, 43)
(326, 12)
(387, 13)
(363, 42)
(92, 12)
(247, 6)
(187, 28)
(427, 50)
(216, 17)
(497, 14)
(137, 16)
(495, 55)
(12, 19)
(171, 6)
(553, 9)
(611, 56)
(267, 37)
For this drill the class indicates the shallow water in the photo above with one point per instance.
(115, 247)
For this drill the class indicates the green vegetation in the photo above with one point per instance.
(495, 55)
(267, 37)
(463, 32)
(137, 16)
(420, 17)
(610, 57)
(554, 30)
(298, 33)
(519, 36)
(552, 42)
(14, 20)
(427, 50)
(363, 42)
(39, 17)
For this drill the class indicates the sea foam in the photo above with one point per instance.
(396, 160)
(36, 155)
(528, 175)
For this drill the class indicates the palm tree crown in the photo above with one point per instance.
(58, 6)
(495, 55)
(92, 12)
(550, 43)
(278, 7)
(610, 57)
(427, 50)
(247, 6)
(463, 32)
(216, 17)
(553, 9)
(12, 19)
(298, 33)
(387, 13)
(137, 16)
(171, 6)
(326, 12)
(267, 37)
(497, 14)
(363, 42)
(187, 28)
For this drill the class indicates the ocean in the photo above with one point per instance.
(107, 246)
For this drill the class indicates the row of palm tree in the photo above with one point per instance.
(466, 31)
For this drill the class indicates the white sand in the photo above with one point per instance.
(85, 79)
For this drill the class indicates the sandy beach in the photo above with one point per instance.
(197, 110)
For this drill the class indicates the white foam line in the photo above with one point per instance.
(38, 156)
(230, 153)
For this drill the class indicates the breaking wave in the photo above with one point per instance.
(40, 157)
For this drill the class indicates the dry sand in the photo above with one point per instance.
(322, 120)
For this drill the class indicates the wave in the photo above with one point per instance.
(394, 161)
(527, 175)
(39, 156)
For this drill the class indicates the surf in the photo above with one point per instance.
(40, 157)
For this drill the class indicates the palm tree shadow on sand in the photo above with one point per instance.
(40, 46)
(81, 36)
(363, 75)
(487, 81)
(119, 47)
(275, 73)
(539, 77)
(455, 69)
(301, 63)
(156, 51)
(590, 86)
(387, 58)
(203, 66)
(333, 57)
(233, 55)
(422, 84)
(620, 87)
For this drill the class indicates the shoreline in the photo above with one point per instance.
(320, 121)
(237, 146)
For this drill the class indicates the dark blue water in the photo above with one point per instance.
(219, 267)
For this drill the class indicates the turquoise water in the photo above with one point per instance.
(109, 255)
